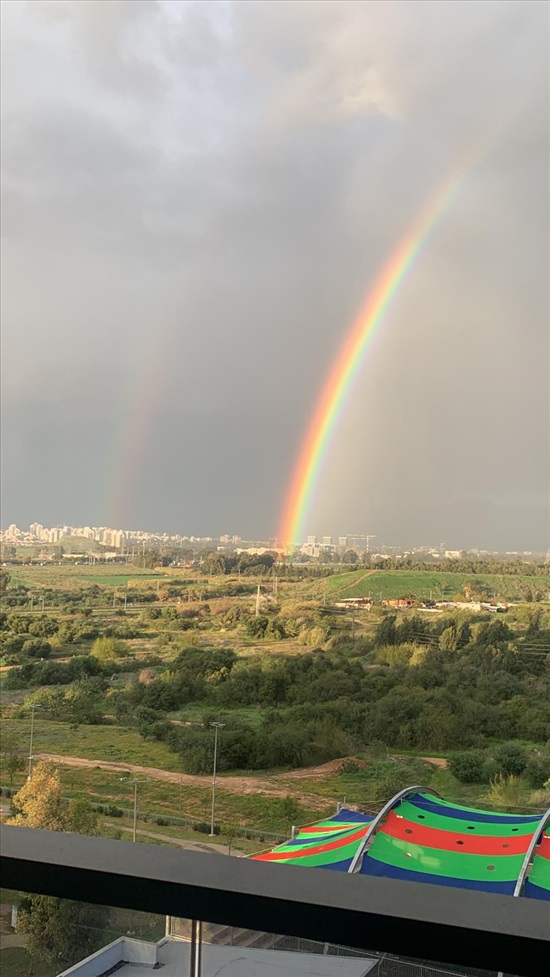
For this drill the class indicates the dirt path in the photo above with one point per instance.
(354, 583)
(235, 785)
(180, 842)
(436, 761)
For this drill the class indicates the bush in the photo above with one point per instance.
(204, 828)
(112, 811)
(468, 766)
(537, 771)
(510, 759)
(162, 822)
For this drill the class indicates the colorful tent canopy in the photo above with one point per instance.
(423, 838)
(327, 844)
(537, 885)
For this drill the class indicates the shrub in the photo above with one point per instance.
(162, 822)
(112, 811)
(510, 759)
(468, 766)
(204, 828)
(537, 771)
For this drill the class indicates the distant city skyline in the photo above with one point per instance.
(312, 545)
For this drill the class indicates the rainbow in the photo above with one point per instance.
(313, 451)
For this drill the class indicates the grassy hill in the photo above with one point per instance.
(425, 583)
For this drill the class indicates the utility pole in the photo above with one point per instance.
(30, 745)
(136, 781)
(353, 624)
(258, 602)
(216, 726)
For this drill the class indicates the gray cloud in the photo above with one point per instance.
(214, 188)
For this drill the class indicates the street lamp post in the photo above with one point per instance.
(136, 781)
(216, 726)
(29, 777)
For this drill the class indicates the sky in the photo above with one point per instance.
(197, 198)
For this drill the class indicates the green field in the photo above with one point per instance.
(115, 743)
(121, 579)
(389, 584)
(68, 576)
(157, 797)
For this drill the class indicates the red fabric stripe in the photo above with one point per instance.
(331, 829)
(419, 834)
(298, 852)
(544, 848)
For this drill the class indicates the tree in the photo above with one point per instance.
(57, 931)
(13, 759)
(39, 803)
(350, 556)
(60, 931)
(230, 831)
(290, 810)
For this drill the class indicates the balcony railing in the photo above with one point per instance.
(455, 926)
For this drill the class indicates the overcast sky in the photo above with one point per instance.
(196, 200)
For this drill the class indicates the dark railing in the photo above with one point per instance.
(455, 926)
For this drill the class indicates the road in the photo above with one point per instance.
(169, 839)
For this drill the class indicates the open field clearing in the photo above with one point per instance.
(389, 584)
(108, 743)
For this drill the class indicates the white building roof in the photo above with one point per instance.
(172, 958)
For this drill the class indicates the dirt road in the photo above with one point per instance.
(275, 787)
(180, 842)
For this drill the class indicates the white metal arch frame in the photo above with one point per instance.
(400, 796)
(545, 819)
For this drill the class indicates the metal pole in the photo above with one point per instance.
(198, 958)
(214, 780)
(193, 949)
(30, 745)
(135, 810)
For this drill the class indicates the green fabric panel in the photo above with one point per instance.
(454, 865)
(314, 841)
(331, 829)
(540, 872)
(496, 830)
(460, 807)
(323, 858)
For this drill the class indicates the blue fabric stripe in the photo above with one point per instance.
(533, 891)
(427, 804)
(346, 815)
(337, 866)
(371, 866)
(321, 839)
